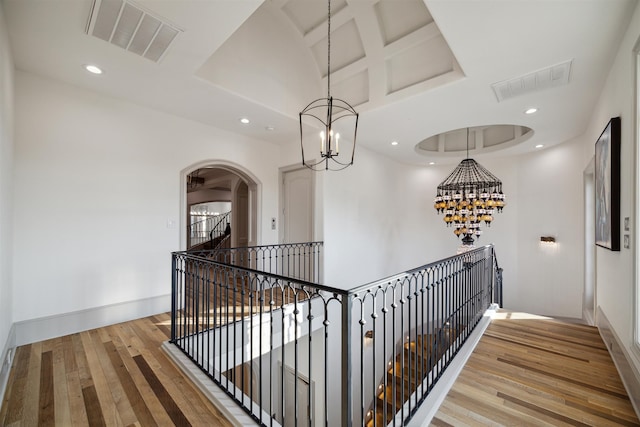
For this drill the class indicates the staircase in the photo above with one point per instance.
(407, 372)
(207, 233)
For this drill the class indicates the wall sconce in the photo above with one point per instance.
(548, 239)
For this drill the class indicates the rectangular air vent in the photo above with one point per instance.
(556, 75)
(126, 25)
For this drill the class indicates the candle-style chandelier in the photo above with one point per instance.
(327, 111)
(468, 197)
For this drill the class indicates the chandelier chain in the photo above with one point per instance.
(329, 49)
(467, 143)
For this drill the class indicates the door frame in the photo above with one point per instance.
(589, 305)
(255, 191)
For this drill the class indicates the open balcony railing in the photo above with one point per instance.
(294, 260)
(294, 352)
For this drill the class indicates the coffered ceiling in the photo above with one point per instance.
(414, 69)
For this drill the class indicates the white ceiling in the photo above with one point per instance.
(411, 71)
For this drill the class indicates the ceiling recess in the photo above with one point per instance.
(555, 75)
(126, 25)
(479, 140)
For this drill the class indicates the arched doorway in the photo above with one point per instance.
(213, 183)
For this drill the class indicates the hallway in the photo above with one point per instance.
(534, 370)
(528, 370)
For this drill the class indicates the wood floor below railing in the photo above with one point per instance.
(535, 371)
(524, 372)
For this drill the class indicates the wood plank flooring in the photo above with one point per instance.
(523, 372)
(112, 376)
(538, 372)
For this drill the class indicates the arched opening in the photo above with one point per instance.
(209, 187)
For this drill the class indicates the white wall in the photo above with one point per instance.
(380, 220)
(374, 222)
(550, 203)
(97, 181)
(6, 191)
(615, 270)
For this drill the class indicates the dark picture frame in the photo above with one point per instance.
(607, 183)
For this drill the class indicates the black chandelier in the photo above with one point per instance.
(327, 112)
(468, 197)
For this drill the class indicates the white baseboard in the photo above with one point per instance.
(621, 358)
(44, 328)
(8, 353)
(430, 406)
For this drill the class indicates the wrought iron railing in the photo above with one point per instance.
(292, 351)
(208, 229)
(293, 260)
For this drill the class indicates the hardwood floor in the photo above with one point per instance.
(112, 376)
(537, 372)
(523, 372)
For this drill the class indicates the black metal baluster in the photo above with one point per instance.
(310, 360)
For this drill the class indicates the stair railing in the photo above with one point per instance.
(207, 229)
(291, 351)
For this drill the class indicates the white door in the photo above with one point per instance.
(297, 209)
(297, 221)
(290, 402)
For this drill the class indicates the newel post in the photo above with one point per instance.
(174, 292)
(347, 394)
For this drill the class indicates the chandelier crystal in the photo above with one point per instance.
(469, 197)
(332, 115)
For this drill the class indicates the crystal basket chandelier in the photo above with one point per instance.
(468, 197)
(327, 112)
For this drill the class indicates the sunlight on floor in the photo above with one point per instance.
(510, 315)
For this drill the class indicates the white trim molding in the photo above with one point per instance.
(44, 328)
(8, 353)
(627, 370)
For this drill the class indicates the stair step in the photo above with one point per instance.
(386, 396)
(424, 351)
(380, 422)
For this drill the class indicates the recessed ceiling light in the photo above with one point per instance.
(269, 128)
(432, 163)
(539, 145)
(394, 143)
(93, 69)
(530, 110)
(244, 121)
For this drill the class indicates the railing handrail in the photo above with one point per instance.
(376, 283)
(209, 218)
(275, 245)
(278, 277)
(223, 217)
(340, 291)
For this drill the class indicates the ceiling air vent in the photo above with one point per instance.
(556, 75)
(126, 25)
